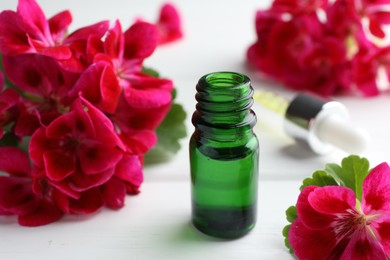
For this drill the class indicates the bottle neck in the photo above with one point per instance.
(223, 111)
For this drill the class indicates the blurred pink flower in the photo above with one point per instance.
(169, 24)
(311, 59)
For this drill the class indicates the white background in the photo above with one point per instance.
(156, 223)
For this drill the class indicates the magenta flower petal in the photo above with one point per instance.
(129, 118)
(44, 214)
(99, 85)
(129, 169)
(38, 145)
(169, 24)
(39, 75)
(59, 164)
(14, 161)
(148, 92)
(114, 192)
(363, 245)
(138, 141)
(103, 126)
(16, 196)
(110, 90)
(14, 40)
(376, 189)
(62, 126)
(383, 231)
(308, 215)
(33, 19)
(114, 43)
(97, 29)
(310, 244)
(64, 189)
(140, 40)
(147, 98)
(58, 25)
(57, 52)
(80, 182)
(332, 200)
(89, 202)
(99, 158)
(8, 98)
(26, 124)
(376, 28)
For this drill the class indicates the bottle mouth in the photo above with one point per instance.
(225, 79)
(224, 87)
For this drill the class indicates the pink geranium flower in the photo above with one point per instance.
(45, 85)
(365, 69)
(76, 153)
(86, 104)
(318, 45)
(333, 224)
(29, 31)
(117, 76)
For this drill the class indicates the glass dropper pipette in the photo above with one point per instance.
(322, 124)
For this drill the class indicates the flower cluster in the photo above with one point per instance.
(343, 222)
(84, 105)
(327, 47)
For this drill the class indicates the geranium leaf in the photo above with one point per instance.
(351, 174)
(150, 72)
(319, 178)
(291, 215)
(171, 130)
(285, 231)
(334, 170)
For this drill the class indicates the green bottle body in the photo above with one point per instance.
(224, 155)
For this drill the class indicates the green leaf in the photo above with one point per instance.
(334, 170)
(291, 215)
(285, 231)
(319, 178)
(351, 174)
(169, 133)
(151, 72)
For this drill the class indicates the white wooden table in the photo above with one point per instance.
(156, 223)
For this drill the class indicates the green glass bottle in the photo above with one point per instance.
(224, 154)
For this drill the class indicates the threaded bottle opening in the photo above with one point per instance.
(224, 86)
(224, 101)
(225, 79)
